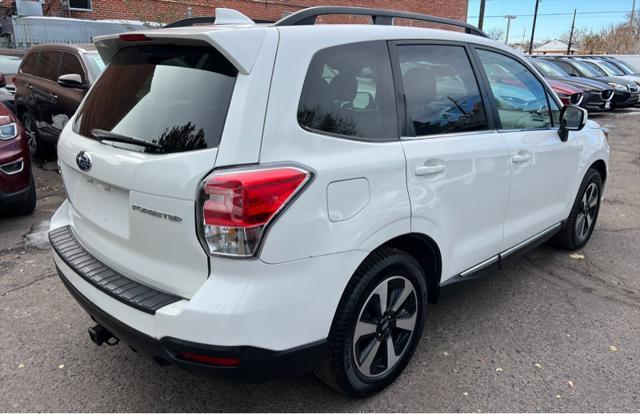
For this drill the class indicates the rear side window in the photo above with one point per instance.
(441, 91)
(48, 65)
(71, 65)
(520, 97)
(30, 64)
(349, 91)
(175, 98)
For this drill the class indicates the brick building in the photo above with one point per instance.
(171, 10)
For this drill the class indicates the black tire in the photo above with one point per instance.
(573, 235)
(341, 369)
(38, 148)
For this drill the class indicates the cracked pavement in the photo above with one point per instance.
(547, 333)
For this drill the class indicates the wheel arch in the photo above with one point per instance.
(427, 253)
(601, 167)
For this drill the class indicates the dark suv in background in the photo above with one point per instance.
(50, 84)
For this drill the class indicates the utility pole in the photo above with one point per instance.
(533, 29)
(633, 10)
(508, 17)
(573, 24)
(481, 18)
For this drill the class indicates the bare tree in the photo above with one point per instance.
(620, 38)
(495, 33)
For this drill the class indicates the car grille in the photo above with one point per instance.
(576, 98)
(607, 94)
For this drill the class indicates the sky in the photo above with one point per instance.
(592, 14)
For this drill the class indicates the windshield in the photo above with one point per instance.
(175, 97)
(611, 70)
(589, 69)
(95, 63)
(626, 68)
(9, 64)
(549, 69)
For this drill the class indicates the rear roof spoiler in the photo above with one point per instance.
(241, 47)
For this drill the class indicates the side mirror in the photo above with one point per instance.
(572, 118)
(3, 81)
(71, 80)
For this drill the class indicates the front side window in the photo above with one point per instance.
(567, 68)
(168, 98)
(71, 65)
(441, 91)
(48, 65)
(520, 97)
(348, 91)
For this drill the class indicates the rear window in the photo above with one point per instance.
(348, 91)
(173, 97)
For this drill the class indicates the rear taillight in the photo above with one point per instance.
(238, 206)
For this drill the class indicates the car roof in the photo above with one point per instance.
(11, 52)
(71, 47)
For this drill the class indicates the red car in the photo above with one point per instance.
(568, 94)
(17, 186)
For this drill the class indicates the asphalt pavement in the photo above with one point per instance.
(552, 331)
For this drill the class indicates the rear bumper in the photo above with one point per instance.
(267, 315)
(256, 364)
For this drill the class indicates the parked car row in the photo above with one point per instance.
(596, 83)
(39, 92)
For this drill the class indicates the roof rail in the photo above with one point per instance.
(379, 16)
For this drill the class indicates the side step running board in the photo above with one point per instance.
(495, 262)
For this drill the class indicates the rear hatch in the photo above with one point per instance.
(132, 162)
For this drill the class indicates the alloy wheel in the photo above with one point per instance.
(385, 326)
(588, 210)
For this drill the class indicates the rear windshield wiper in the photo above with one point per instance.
(102, 135)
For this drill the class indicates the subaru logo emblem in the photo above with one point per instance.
(84, 161)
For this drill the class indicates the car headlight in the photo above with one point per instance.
(8, 131)
(619, 86)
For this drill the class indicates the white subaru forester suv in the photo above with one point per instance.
(261, 200)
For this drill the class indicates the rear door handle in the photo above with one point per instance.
(53, 96)
(430, 167)
(521, 157)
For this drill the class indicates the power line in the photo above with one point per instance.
(557, 14)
